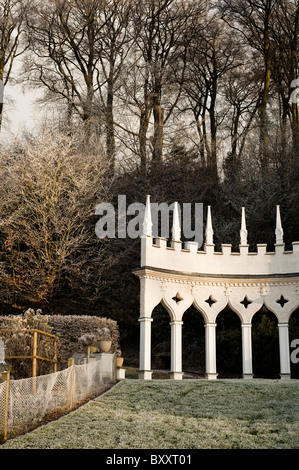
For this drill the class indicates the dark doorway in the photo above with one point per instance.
(193, 342)
(161, 339)
(265, 345)
(228, 344)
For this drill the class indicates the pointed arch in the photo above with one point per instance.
(245, 301)
(193, 342)
(229, 343)
(210, 301)
(160, 337)
(265, 344)
(168, 307)
(282, 302)
(232, 308)
(200, 310)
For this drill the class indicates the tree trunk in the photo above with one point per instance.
(143, 127)
(213, 156)
(264, 132)
(158, 133)
(283, 122)
(264, 135)
(145, 113)
(201, 141)
(87, 113)
(110, 136)
(212, 162)
(234, 135)
(204, 133)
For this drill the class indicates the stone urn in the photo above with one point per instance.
(119, 361)
(104, 339)
(91, 349)
(105, 345)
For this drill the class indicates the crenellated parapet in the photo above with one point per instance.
(173, 255)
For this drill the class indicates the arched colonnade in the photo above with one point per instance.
(180, 277)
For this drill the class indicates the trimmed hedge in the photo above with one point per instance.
(68, 329)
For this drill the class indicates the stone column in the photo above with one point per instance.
(176, 350)
(247, 351)
(284, 351)
(145, 372)
(211, 351)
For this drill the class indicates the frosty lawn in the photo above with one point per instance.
(188, 414)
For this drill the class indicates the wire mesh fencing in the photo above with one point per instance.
(26, 403)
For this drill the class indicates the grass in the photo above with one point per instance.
(188, 414)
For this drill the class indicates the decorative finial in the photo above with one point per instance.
(147, 222)
(176, 229)
(243, 231)
(279, 229)
(209, 228)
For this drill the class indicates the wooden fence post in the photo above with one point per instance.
(55, 355)
(71, 363)
(5, 377)
(34, 354)
(34, 362)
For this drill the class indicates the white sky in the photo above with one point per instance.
(19, 112)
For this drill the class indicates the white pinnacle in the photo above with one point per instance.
(147, 222)
(279, 229)
(209, 228)
(243, 231)
(176, 229)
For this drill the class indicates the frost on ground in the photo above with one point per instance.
(190, 414)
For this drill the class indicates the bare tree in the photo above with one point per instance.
(12, 18)
(242, 92)
(78, 49)
(253, 20)
(284, 34)
(115, 44)
(66, 52)
(49, 190)
(213, 53)
(158, 68)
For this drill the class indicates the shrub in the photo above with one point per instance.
(68, 330)
(20, 343)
